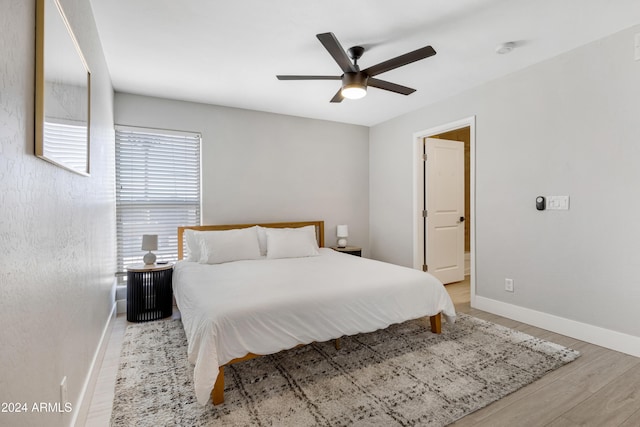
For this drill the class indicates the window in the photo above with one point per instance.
(157, 190)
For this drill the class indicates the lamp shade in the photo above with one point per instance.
(150, 242)
(343, 231)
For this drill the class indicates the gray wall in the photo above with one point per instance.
(567, 126)
(57, 229)
(263, 167)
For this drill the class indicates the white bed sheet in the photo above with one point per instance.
(264, 306)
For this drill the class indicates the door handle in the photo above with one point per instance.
(461, 219)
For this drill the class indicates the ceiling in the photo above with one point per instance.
(229, 52)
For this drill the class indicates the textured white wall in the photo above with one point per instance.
(56, 229)
(567, 126)
(268, 167)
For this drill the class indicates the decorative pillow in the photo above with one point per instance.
(291, 242)
(192, 239)
(229, 245)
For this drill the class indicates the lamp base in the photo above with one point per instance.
(149, 258)
(342, 243)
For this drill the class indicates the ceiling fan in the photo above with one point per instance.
(354, 80)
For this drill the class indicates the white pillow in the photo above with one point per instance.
(262, 239)
(291, 242)
(192, 239)
(229, 245)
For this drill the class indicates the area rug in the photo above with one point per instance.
(403, 375)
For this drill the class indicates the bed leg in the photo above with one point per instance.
(338, 344)
(217, 394)
(436, 323)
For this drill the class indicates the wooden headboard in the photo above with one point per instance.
(319, 225)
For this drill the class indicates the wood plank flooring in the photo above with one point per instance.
(600, 389)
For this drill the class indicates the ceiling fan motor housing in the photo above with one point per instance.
(358, 79)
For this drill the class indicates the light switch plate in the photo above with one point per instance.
(558, 203)
(637, 45)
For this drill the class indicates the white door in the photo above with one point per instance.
(444, 221)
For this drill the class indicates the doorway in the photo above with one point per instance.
(464, 131)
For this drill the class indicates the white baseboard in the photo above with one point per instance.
(613, 340)
(84, 401)
(121, 305)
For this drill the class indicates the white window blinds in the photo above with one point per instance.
(67, 145)
(157, 190)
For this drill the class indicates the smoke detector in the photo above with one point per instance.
(505, 48)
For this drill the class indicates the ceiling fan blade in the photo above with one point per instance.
(331, 43)
(383, 84)
(338, 96)
(309, 77)
(401, 60)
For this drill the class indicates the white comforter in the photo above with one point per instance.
(264, 306)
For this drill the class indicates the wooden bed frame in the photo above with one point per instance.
(217, 393)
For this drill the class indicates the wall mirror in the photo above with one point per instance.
(63, 91)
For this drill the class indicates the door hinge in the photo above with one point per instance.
(424, 213)
(425, 267)
(424, 157)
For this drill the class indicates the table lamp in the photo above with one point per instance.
(149, 243)
(342, 233)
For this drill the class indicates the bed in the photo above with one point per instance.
(237, 304)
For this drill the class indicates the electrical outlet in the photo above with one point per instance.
(63, 391)
(508, 285)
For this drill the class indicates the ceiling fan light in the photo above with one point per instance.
(354, 85)
(354, 92)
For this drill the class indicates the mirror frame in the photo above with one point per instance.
(43, 18)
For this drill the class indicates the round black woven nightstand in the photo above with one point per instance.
(351, 250)
(149, 292)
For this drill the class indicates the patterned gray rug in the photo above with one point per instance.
(403, 375)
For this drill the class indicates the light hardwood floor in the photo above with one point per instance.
(600, 389)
